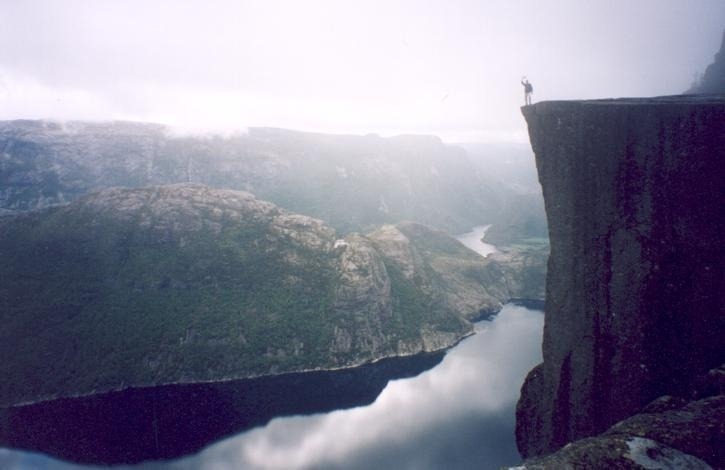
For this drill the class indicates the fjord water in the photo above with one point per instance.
(459, 414)
(474, 240)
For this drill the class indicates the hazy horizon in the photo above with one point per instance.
(450, 69)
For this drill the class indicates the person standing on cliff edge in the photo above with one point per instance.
(528, 90)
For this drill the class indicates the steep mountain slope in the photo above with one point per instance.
(352, 182)
(183, 283)
(432, 262)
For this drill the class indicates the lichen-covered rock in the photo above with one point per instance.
(688, 436)
(634, 299)
(620, 452)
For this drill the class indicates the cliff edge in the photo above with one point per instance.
(635, 290)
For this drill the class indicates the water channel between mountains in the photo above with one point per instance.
(452, 410)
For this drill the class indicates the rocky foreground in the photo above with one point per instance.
(183, 283)
(670, 432)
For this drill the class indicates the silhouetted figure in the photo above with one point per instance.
(528, 90)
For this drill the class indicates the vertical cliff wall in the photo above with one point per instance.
(635, 290)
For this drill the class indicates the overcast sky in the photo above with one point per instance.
(446, 67)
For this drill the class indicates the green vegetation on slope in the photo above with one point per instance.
(184, 283)
(137, 306)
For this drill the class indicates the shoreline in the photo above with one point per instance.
(481, 316)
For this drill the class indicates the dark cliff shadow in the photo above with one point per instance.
(171, 421)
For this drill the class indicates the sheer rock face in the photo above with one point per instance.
(185, 283)
(635, 295)
(362, 298)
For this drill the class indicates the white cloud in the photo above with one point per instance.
(445, 67)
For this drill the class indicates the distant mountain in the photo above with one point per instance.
(713, 80)
(352, 182)
(183, 283)
(511, 175)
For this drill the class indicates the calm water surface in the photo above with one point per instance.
(473, 240)
(458, 415)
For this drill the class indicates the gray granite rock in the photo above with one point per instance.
(634, 298)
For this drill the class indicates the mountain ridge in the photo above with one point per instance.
(373, 180)
(186, 283)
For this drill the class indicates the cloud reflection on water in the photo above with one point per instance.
(414, 423)
(458, 415)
